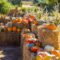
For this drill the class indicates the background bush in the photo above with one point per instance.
(5, 6)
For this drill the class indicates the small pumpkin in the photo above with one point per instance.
(29, 41)
(34, 49)
(25, 21)
(19, 20)
(9, 29)
(35, 22)
(14, 21)
(14, 28)
(56, 53)
(18, 30)
(32, 17)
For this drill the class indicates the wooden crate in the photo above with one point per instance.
(9, 38)
(49, 38)
(27, 55)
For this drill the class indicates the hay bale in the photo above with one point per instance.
(48, 37)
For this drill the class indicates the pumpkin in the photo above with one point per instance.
(14, 21)
(14, 28)
(28, 36)
(19, 20)
(32, 17)
(56, 53)
(18, 30)
(29, 41)
(51, 27)
(34, 49)
(35, 22)
(25, 20)
(9, 29)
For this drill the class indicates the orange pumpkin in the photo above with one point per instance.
(51, 27)
(14, 21)
(57, 54)
(25, 21)
(14, 28)
(32, 17)
(35, 22)
(9, 29)
(34, 49)
(19, 20)
(18, 30)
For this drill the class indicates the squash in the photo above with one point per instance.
(38, 58)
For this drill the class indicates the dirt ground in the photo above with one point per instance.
(10, 53)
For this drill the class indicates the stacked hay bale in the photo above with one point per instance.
(49, 37)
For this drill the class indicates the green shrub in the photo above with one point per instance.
(16, 2)
(5, 6)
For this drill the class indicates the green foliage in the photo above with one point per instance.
(51, 1)
(16, 2)
(5, 6)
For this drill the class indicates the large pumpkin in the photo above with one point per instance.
(51, 27)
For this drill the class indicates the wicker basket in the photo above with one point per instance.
(49, 38)
(9, 38)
